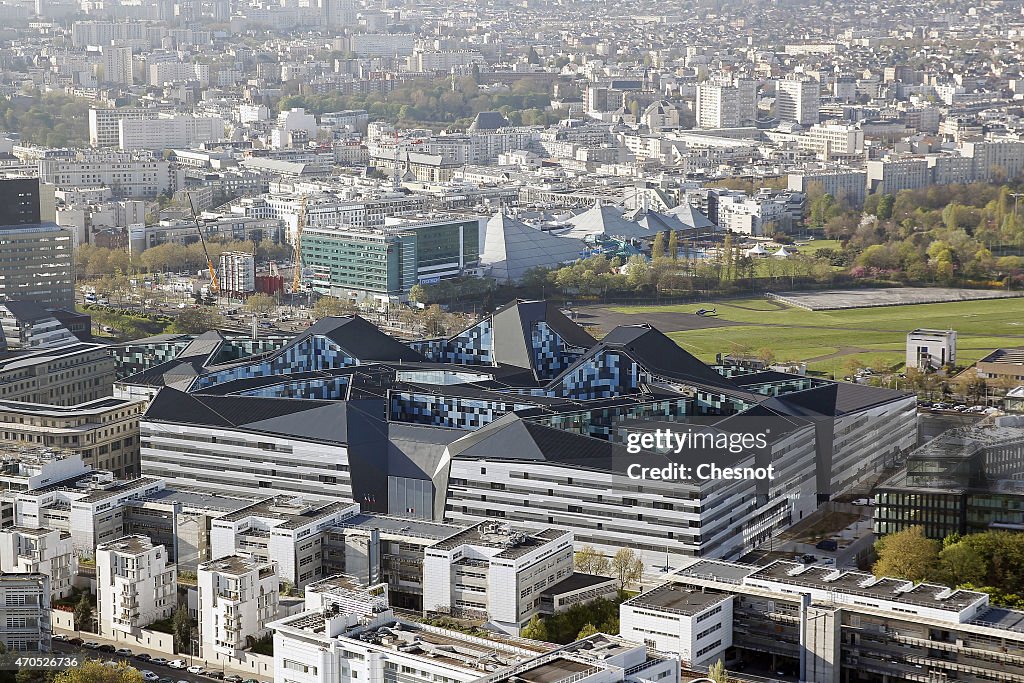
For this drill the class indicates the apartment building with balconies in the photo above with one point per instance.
(40, 551)
(238, 597)
(135, 585)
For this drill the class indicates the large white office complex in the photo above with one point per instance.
(354, 636)
(825, 624)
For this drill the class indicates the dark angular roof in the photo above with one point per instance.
(512, 331)
(27, 311)
(309, 419)
(361, 339)
(489, 120)
(659, 354)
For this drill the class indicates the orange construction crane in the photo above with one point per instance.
(214, 282)
(297, 275)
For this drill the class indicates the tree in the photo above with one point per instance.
(327, 306)
(83, 613)
(260, 304)
(627, 567)
(589, 560)
(907, 554)
(717, 672)
(536, 629)
(962, 563)
(886, 203)
(181, 628)
(90, 671)
(587, 631)
(196, 321)
(658, 248)
(419, 294)
(673, 245)
(435, 322)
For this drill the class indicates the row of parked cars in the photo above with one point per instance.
(150, 676)
(956, 407)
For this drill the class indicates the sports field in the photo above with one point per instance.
(826, 339)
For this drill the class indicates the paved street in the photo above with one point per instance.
(165, 672)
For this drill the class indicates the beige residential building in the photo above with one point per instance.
(105, 432)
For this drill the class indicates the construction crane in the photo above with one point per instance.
(297, 275)
(214, 282)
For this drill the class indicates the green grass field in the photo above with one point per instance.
(826, 339)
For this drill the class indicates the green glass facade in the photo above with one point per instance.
(387, 261)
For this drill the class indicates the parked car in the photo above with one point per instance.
(808, 559)
(177, 664)
(829, 544)
(91, 645)
(76, 641)
(144, 656)
(59, 636)
(162, 661)
(107, 648)
(149, 676)
(124, 652)
(862, 501)
(233, 679)
(196, 670)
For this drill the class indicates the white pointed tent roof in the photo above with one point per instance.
(783, 252)
(690, 217)
(511, 248)
(605, 219)
(757, 250)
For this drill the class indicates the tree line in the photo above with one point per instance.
(942, 234)
(433, 102)
(94, 261)
(990, 562)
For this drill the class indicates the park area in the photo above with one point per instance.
(825, 339)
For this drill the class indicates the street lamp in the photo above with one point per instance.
(1016, 198)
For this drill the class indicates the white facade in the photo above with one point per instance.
(39, 551)
(495, 572)
(238, 598)
(127, 174)
(797, 100)
(25, 612)
(89, 507)
(350, 645)
(833, 140)
(695, 625)
(103, 123)
(135, 585)
(286, 531)
(170, 132)
(726, 104)
(931, 349)
(237, 273)
(292, 121)
(117, 65)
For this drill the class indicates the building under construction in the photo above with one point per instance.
(237, 274)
